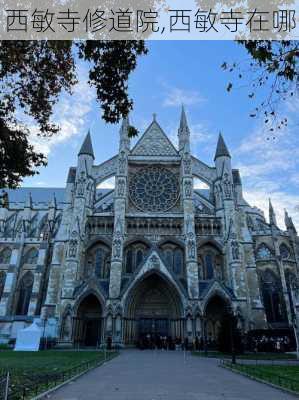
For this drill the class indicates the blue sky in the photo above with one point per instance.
(188, 72)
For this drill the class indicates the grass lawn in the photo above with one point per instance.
(248, 356)
(27, 368)
(286, 376)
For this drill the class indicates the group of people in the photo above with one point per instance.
(271, 344)
(163, 342)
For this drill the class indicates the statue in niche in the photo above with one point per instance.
(117, 242)
(121, 187)
(235, 250)
(81, 184)
(191, 246)
(155, 261)
(73, 244)
(187, 164)
(227, 186)
(122, 162)
(188, 189)
(218, 193)
(66, 327)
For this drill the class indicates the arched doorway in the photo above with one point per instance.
(153, 307)
(88, 323)
(216, 312)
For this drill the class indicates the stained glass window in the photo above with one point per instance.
(2, 282)
(154, 189)
(263, 252)
(209, 268)
(284, 251)
(99, 262)
(178, 262)
(25, 290)
(5, 255)
(129, 262)
(31, 256)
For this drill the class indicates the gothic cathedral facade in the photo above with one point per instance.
(155, 254)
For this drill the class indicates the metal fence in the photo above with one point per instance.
(256, 371)
(4, 384)
(28, 386)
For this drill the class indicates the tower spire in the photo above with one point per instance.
(184, 132)
(124, 134)
(289, 222)
(272, 216)
(221, 150)
(86, 147)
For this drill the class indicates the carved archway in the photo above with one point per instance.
(88, 322)
(153, 307)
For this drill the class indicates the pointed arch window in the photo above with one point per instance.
(2, 283)
(24, 295)
(263, 252)
(134, 257)
(178, 262)
(129, 262)
(98, 261)
(5, 255)
(31, 256)
(284, 251)
(273, 298)
(209, 266)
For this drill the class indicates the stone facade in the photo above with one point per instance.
(155, 254)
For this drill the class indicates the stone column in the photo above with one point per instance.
(119, 213)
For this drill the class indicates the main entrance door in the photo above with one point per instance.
(154, 326)
(153, 308)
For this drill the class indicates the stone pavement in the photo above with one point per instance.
(158, 375)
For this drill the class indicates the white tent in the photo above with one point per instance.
(28, 339)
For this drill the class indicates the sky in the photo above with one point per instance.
(190, 73)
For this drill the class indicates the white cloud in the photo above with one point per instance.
(269, 165)
(280, 201)
(107, 184)
(176, 97)
(70, 114)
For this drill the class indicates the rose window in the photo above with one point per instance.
(154, 189)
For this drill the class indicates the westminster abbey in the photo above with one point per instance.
(156, 254)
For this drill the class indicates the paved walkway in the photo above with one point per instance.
(158, 375)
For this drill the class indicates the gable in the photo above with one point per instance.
(154, 142)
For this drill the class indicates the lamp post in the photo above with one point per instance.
(231, 332)
(44, 318)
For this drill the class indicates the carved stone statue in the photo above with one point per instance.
(73, 244)
(188, 188)
(121, 187)
(187, 164)
(191, 245)
(235, 250)
(122, 163)
(81, 184)
(227, 186)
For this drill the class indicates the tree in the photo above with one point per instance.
(273, 66)
(32, 76)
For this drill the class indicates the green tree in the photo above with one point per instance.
(33, 74)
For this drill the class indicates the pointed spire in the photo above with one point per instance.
(222, 150)
(289, 222)
(272, 216)
(86, 148)
(184, 132)
(124, 134)
(183, 122)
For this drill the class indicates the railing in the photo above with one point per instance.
(33, 385)
(4, 382)
(257, 371)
